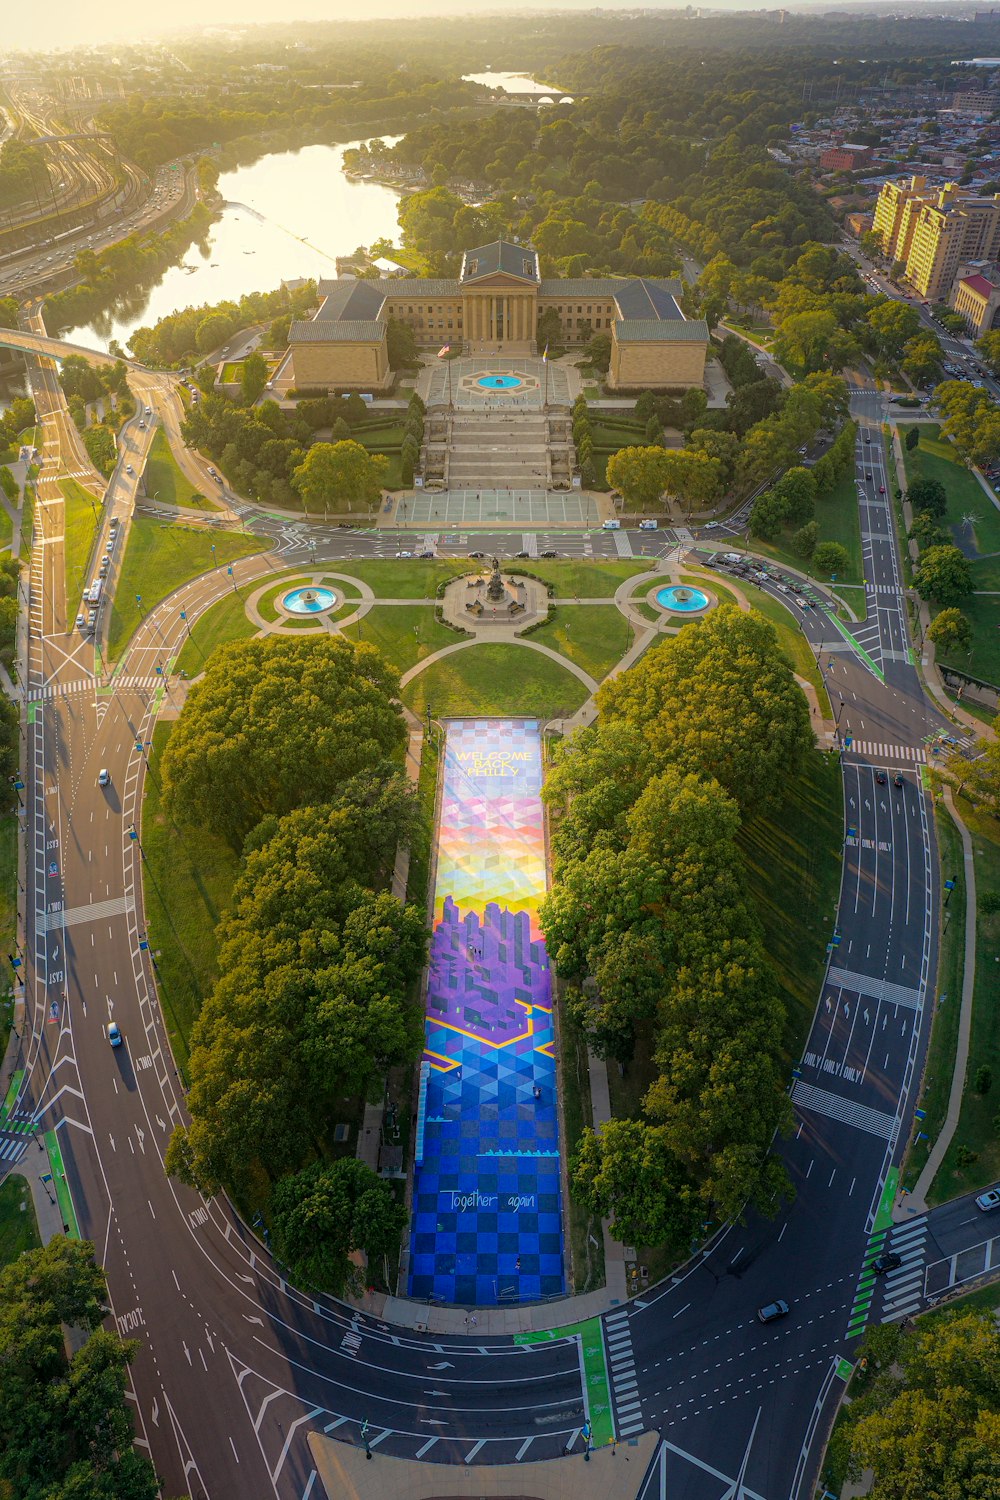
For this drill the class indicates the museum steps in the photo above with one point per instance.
(499, 450)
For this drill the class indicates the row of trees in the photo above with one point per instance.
(263, 451)
(66, 1429)
(649, 922)
(289, 750)
(124, 268)
(790, 504)
(181, 336)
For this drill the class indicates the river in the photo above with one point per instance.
(290, 214)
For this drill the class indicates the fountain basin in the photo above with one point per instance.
(680, 599)
(499, 382)
(309, 601)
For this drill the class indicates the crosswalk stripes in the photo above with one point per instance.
(848, 1111)
(887, 754)
(12, 1148)
(624, 1381)
(904, 1286)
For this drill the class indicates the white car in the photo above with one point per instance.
(129, 469)
(989, 1200)
(104, 777)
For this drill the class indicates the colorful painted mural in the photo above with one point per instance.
(486, 1222)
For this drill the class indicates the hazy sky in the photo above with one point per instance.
(57, 23)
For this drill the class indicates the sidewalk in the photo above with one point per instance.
(916, 1201)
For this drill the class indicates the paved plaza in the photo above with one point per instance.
(469, 383)
(516, 507)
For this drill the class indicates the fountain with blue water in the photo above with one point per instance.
(499, 382)
(309, 601)
(681, 600)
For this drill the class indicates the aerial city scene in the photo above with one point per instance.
(500, 733)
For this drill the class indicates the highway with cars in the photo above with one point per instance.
(237, 1367)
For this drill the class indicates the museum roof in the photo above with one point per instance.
(501, 257)
(349, 298)
(661, 330)
(337, 331)
(420, 286)
(642, 299)
(602, 286)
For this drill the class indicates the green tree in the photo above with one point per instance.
(912, 438)
(326, 1213)
(719, 697)
(922, 359)
(928, 495)
(212, 331)
(890, 324)
(65, 1427)
(804, 540)
(253, 378)
(639, 474)
(549, 331)
(831, 559)
(627, 1175)
(277, 723)
(401, 345)
(338, 474)
(943, 575)
(950, 630)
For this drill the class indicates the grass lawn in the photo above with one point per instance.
(6, 529)
(18, 1225)
(594, 636)
(793, 860)
(583, 580)
(648, 611)
(418, 875)
(837, 515)
(188, 876)
(158, 559)
(983, 614)
(976, 1128)
(80, 511)
(225, 621)
(935, 458)
(403, 578)
(166, 480)
(267, 603)
(231, 372)
(944, 1034)
(495, 679)
(405, 634)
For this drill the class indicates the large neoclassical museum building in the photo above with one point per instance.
(493, 308)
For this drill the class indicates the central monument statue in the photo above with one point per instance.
(495, 591)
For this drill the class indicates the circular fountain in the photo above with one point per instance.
(309, 601)
(679, 599)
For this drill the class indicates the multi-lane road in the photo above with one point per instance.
(236, 1367)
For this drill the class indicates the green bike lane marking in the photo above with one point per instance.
(844, 1369)
(865, 1291)
(15, 1084)
(855, 647)
(883, 1214)
(58, 1171)
(596, 1386)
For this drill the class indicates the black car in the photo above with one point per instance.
(426, 553)
(897, 780)
(772, 1311)
(549, 553)
(887, 1262)
(477, 555)
(868, 474)
(522, 554)
(881, 778)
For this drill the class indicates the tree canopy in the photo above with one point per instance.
(323, 1215)
(65, 1428)
(277, 723)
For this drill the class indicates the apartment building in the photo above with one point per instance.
(933, 230)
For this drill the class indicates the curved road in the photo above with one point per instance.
(236, 1367)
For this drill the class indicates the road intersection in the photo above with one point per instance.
(237, 1367)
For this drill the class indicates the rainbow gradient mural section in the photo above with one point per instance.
(487, 1223)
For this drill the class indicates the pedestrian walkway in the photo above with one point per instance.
(889, 755)
(624, 1381)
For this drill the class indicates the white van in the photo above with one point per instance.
(611, 526)
(648, 525)
(96, 588)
